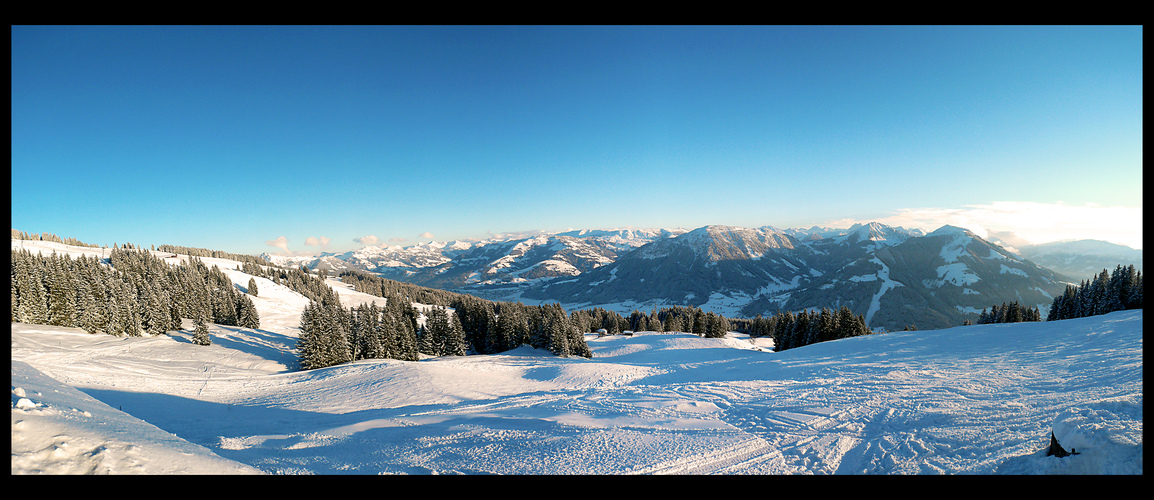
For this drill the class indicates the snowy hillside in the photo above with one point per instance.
(967, 400)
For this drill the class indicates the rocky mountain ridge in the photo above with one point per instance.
(894, 277)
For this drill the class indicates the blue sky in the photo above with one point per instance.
(326, 138)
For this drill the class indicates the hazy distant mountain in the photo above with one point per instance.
(873, 230)
(1081, 259)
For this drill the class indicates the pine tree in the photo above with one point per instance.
(339, 347)
(699, 322)
(577, 345)
(387, 335)
(33, 297)
(454, 343)
(61, 293)
(406, 340)
(797, 337)
(783, 329)
(1135, 298)
(826, 325)
(247, 316)
(308, 339)
(155, 315)
(252, 287)
(15, 302)
(846, 324)
(131, 319)
(556, 327)
(200, 333)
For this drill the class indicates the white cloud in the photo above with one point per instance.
(313, 242)
(367, 240)
(1033, 222)
(397, 239)
(426, 234)
(280, 242)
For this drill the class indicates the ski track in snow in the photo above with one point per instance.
(979, 399)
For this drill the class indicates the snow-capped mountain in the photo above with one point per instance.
(932, 281)
(686, 269)
(872, 231)
(891, 276)
(894, 277)
(495, 263)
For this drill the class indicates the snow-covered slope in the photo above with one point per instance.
(968, 400)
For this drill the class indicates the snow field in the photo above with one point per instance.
(979, 399)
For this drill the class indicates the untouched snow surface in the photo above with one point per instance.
(979, 399)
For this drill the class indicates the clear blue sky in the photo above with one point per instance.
(230, 137)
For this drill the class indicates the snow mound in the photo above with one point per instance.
(57, 429)
(1104, 437)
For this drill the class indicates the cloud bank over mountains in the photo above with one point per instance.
(1021, 222)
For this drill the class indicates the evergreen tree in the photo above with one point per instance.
(654, 323)
(454, 343)
(339, 348)
(699, 322)
(308, 342)
(91, 309)
(797, 337)
(783, 329)
(406, 340)
(435, 331)
(365, 328)
(33, 307)
(1134, 300)
(847, 324)
(556, 329)
(15, 302)
(247, 316)
(826, 326)
(577, 345)
(155, 315)
(61, 293)
(387, 335)
(252, 287)
(505, 330)
(200, 333)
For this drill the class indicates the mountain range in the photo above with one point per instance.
(892, 276)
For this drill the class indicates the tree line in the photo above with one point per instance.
(1105, 293)
(134, 294)
(21, 235)
(790, 330)
(216, 254)
(331, 334)
(1008, 313)
(452, 324)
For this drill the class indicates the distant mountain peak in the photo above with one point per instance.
(955, 230)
